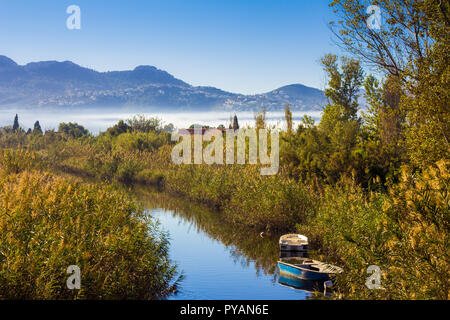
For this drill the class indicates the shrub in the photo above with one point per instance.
(405, 233)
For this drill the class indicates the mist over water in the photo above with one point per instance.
(98, 120)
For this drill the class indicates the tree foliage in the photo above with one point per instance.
(73, 130)
(16, 123)
(37, 128)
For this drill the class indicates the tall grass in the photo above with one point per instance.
(48, 223)
(240, 192)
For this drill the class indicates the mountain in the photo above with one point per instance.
(53, 83)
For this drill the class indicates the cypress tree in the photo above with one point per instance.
(235, 123)
(16, 123)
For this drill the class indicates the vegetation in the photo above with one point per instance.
(73, 129)
(247, 248)
(403, 231)
(369, 188)
(49, 222)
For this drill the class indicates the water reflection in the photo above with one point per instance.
(300, 284)
(245, 247)
(221, 261)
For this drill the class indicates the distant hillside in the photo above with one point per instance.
(52, 83)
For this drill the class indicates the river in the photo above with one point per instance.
(219, 261)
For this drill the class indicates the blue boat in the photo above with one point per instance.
(306, 285)
(306, 269)
(300, 284)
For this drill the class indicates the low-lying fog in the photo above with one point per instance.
(97, 120)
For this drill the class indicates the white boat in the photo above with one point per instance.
(293, 242)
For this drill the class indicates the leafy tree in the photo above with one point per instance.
(344, 84)
(118, 129)
(141, 123)
(73, 129)
(427, 104)
(169, 128)
(382, 151)
(327, 152)
(343, 92)
(413, 48)
(373, 96)
(385, 118)
(340, 123)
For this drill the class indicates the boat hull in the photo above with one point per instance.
(301, 273)
(300, 284)
(293, 248)
(293, 254)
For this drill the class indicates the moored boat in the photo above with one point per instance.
(291, 254)
(306, 285)
(293, 242)
(307, 269)
(300, 284)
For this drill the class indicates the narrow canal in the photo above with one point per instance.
(219, 261)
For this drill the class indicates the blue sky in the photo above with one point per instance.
(245, 46)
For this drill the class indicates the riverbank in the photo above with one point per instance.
(218, 259)
(403, 230)
(401, 227)
(51, 222)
